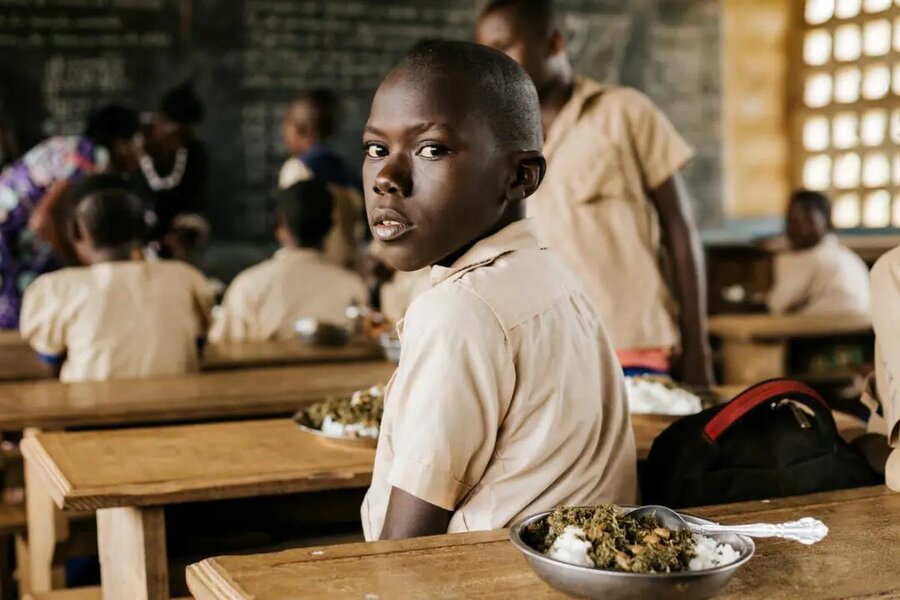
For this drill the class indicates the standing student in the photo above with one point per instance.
(116, 317)
(613, 198)
(508, 399)
(818, 276)
(265, 301)
(310, 121)
(30, 190)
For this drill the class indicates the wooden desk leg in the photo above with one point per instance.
(132, 544)
(47, 527)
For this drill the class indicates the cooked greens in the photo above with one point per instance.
(365, 407)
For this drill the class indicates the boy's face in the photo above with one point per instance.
(126, 153)
(805, 227)
(296, 128)
(506, 30)
(434, 174)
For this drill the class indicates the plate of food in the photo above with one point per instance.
(603, 552)
(354, 421)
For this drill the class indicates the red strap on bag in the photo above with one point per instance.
(753, 397)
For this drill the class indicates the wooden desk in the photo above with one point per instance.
(220, 395)
(858, 559)
(755, 347)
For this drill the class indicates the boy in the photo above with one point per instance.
(310, 121)
(883, 391)
(818, 276)
(116, 317)
(612, 197)
(507, 399)
(265, 301)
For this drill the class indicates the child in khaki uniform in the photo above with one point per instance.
(116, 318)
(265, 301)
(818, 276)
(883, 390)
(508, 398)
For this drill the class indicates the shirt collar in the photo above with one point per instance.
(517, 236)
(585, 89)
(297, 254)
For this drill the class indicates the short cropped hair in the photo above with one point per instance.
(305, 209)
(110, 123)
(182, 104)
(505, 91)
(325, 107)
(813, 201)
(541, 15)
(113, 217)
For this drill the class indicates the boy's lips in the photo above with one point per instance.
(389, 225)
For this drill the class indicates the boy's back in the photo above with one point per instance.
(117, 320)
(265, 301)
(498, 407)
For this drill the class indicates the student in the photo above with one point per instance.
(310, 121)
(30, 188)
(116, 317)
(818, 276)
(265, 301)
(613, 197)
(508, 398)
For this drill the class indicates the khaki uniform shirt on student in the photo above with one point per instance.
(607, 148)
(508, 398)
(886, 321)
(347, 202)
(119, 320)
(265, 301)
(825, 279)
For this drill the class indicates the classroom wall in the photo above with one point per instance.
(248, 57)
(755, 127)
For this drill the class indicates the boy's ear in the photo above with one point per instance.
(530, 167)
(557, 41)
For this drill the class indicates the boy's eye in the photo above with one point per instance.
(374, 150)
(433, 151)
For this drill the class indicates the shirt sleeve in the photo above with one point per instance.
(232, 320)
(660, 149)
(449, 396)
(886, 322)
(204, 300)
(790, 289)
(293, 171)
(42, 321)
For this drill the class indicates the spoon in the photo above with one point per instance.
(806, 531)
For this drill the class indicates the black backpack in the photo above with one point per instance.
(777, 438)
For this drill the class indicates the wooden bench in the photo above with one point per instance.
(82, 593)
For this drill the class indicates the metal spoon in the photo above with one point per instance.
(806, 531)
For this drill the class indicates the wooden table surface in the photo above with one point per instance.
(768, 327)
(858, 559)
(218, 395)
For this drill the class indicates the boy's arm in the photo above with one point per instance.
(408, 516)
(790, 287)
(682, 244)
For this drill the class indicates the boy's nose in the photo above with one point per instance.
(393, 179)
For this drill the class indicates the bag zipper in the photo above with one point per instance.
(800, 411)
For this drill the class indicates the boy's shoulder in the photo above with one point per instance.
(886, 271)
(176, 269)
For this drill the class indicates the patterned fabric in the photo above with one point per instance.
(23, 256)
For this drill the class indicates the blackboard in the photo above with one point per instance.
(249, 57)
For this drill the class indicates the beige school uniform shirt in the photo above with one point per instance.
(825, 279)
(607, 148)
(343, 240)
(508, 398)
(119, 320)
(884, 396)
(265, 301)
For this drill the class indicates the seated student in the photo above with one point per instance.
(265, 301)
(818, 275)
(508, 398)
(116, 317)
(882, 395)
(310, 120)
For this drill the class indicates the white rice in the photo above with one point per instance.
(652, 397)
(711, 554)
(571, 547)
(334, 428)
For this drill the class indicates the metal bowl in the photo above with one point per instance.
(586, 582)
(320, 333)
(346, 441)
